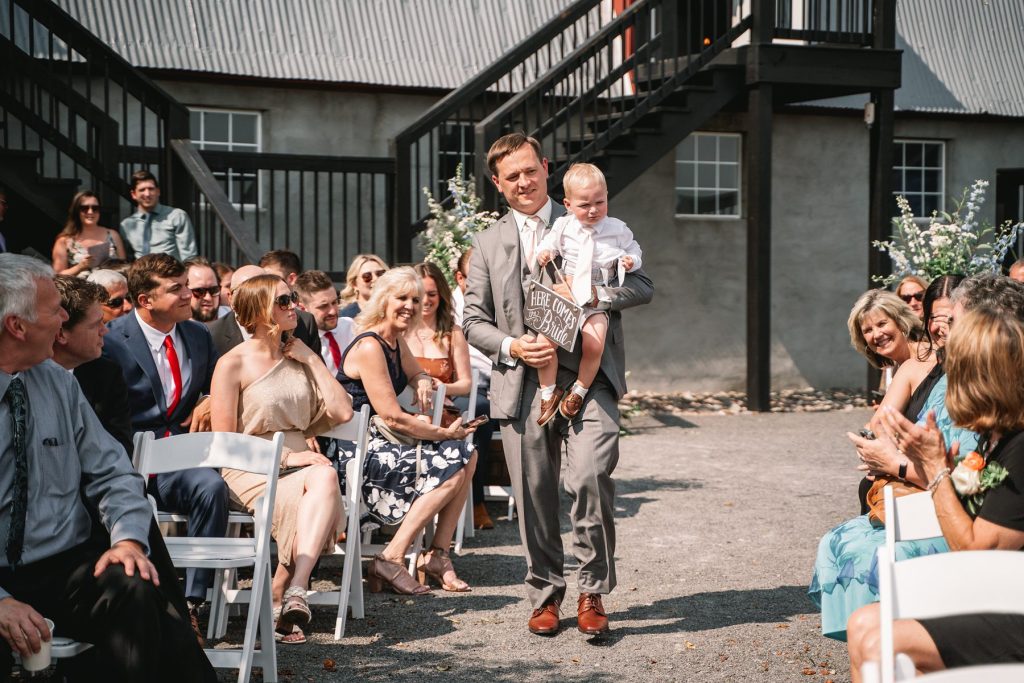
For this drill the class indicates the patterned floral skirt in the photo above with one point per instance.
(391, 483)
(846, 570)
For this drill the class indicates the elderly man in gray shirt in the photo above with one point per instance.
(53, 451)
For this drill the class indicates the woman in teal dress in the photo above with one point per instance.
(845, 572)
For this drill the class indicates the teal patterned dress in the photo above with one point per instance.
(845, 571)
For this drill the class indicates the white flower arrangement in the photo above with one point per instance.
(450, 231)
(953, 243)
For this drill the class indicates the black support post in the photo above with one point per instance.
(759, 247)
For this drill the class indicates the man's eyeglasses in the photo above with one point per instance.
(946, 320)
(371, 276)
(285, 301)
(116, 302)
(200, 292)
(89, 208)
(916, 296)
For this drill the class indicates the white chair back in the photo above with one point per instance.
(989, 673)
(945, 585)
(908, 518)
(407, 397)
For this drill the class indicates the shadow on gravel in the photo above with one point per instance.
(392, 665)
(651, 422)
(708, 611)
(628, 504)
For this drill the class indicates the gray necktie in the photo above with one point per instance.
(147, 233)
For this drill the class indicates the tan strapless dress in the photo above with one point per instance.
(285, 399)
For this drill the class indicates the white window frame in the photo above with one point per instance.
(466, 132)
(717, 187)
(898, 165)
(200, 143)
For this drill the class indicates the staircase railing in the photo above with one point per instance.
(90, 115)
(825, 21)
(427, 152)
(594, 95)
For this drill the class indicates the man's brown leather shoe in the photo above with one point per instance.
(549, 408)
(590, 616)
(544, 621)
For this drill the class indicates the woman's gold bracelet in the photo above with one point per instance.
(938, 480)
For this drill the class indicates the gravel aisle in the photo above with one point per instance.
(718, 520)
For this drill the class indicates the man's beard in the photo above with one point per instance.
(200, 316)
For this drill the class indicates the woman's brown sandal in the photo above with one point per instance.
(436, 567)
(286, 634)
(295, 608)
(382, 570)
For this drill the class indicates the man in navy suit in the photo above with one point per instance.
(167, 361)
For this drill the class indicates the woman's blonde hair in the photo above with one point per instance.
(919, 281)
(985, 367)
(349, 294)
(397, 281)
(253, 301)
(893, 308)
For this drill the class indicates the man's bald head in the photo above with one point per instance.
(241, 275)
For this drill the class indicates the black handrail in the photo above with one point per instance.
(414, 149)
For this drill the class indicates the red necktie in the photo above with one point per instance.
(332, 344)
(172, 360)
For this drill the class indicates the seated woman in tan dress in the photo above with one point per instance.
(263, 386)
(436, 341)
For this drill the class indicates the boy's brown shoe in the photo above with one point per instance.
(570, 405)
(549, 408)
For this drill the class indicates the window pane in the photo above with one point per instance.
(729, 203)
(933, 155)
(705, 202)
(728, 176)
(685, 202)
(913, 181)
(729, 148)
(706, 175)
(217, 147)
(706, 147)
(686, 148)
(194, 119)
(685, 176)
(931, 181)
(897, 180)
(244, 129)
(215, 126)
(915, 204)
(931, 203)
(913, 154)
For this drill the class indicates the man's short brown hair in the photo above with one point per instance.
(311, 282)
(141, 177)
(76, 296)
(143, 273)
(509, 144)
(287, 261)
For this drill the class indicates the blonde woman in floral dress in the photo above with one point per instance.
(404, 484)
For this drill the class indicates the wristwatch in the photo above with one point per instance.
(903, 470)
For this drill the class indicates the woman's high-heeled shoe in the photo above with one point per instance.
(383, 571)
(436, 567)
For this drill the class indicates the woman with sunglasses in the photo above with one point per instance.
(911, 290)
(84, 244)
(263, 386)
(364, 272)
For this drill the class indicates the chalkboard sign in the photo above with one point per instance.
(555, 317)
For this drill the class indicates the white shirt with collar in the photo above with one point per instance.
(343, 333)
(155, 341)
(504, 355)
(477, 359)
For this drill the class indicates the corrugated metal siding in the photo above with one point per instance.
(414, 43)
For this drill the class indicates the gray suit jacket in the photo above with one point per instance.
(494, 311)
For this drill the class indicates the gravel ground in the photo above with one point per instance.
(718, 520)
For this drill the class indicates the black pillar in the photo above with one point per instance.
(759, 230)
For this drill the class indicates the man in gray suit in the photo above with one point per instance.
(503, 259)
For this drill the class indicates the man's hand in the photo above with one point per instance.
(22, 627)
(199, 420)
(132, 557)
(535, 353)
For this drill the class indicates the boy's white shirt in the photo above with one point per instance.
(612, 240)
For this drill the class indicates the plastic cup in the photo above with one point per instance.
(40, 660)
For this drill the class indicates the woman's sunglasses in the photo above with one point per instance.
(89, 208)
(116, 302)
(371, 276)
(916, 296)
(285, 301)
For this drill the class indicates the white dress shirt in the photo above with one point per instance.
(477, 360)
(504, 355)
(343, 333)
(155, 341)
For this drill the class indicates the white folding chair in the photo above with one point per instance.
(908, 518)
(465, 528)
(989, 673)
(934, 586)
(241, 452)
